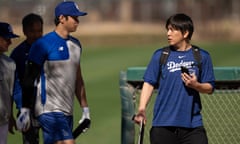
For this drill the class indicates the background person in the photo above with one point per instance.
(7, 77)
(177, 115)
(32, 25)
(54, 64)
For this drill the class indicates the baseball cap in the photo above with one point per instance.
(6, 31)
(68, 8)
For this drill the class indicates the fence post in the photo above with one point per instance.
(127, 128)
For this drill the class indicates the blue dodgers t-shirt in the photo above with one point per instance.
(176, 104)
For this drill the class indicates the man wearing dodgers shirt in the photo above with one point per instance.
(177, 115)
(54, 67)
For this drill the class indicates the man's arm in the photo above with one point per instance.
(80, 89)
(82, 99)
(192, 82)
(146, 93)
(32, 73)
(12, 121)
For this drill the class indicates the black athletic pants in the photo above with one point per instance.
(32, 135)
(178, 135)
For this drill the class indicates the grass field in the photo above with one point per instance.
(101, 65)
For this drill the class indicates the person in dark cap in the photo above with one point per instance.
(32, 25)
(54, 67)
(7, 76)
(6, 31)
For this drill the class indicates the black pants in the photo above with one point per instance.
(31, 136)
(178, 135)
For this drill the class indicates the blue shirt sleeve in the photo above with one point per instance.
(17, 92)
(151, 74)
(38, 52)
(207, 75)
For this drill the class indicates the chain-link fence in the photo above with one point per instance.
(221, 115)
(221, 110)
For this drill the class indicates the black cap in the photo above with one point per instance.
(6, 31)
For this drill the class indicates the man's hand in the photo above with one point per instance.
(84, 123)
(85, 115)
(23, 120)
(190, 80)
(140, 116)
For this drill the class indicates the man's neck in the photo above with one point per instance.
(62, 32)
(183, 47)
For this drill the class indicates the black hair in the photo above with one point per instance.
(181, 22)
(30, 19)
(57, 21)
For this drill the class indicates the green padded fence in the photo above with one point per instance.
(221, 110)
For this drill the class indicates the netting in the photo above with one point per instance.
(221, 116)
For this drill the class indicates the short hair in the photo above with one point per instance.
(30, 19)
(181, 22)
(57, 21)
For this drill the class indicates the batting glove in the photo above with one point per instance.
(23, 120)
(85, 115)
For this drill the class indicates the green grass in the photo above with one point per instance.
(101, 65)
(224, 54)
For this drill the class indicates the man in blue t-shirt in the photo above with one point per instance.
(177, 115)
(54, 68)
(32, 25)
